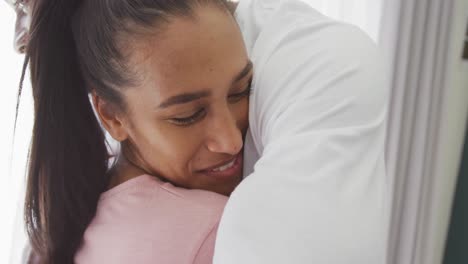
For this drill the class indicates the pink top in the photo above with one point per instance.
(145, 220)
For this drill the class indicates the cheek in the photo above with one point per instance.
(241, 112)
(169, 149)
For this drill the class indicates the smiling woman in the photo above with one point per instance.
(189, 109)
(170, 82)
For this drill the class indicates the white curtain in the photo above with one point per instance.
(426, 123)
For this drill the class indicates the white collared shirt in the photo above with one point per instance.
(317, 190)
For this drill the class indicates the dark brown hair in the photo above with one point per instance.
(75, 46)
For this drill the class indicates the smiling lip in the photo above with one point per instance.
(226, 169)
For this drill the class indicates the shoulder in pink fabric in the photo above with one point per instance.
(145, 220)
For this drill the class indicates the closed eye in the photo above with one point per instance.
(186, 121)
(233, 98)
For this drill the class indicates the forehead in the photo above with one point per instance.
(192, 53)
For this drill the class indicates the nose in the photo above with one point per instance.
(224, 135)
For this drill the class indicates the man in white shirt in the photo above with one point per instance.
(317, 191)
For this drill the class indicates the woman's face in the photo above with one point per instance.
(188, 118)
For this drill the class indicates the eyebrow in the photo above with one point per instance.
(189, 97)
(184, 98)
(243, 73)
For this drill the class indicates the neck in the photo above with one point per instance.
(124, 170)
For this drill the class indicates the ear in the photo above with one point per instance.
(110, 118)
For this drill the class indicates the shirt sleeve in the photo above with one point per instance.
(318, 193)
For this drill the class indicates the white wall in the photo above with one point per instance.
(11, 164)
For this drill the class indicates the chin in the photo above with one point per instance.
(227, 188)
(225, 192)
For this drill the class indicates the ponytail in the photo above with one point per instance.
(68, 155)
